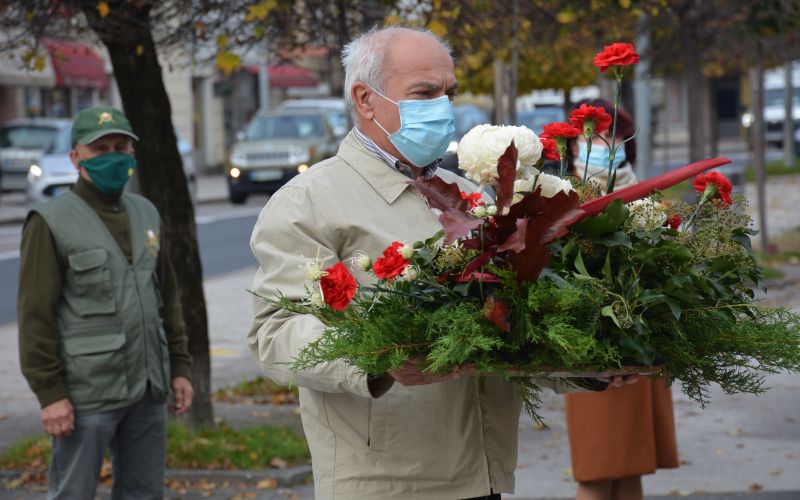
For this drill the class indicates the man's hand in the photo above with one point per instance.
(411, 374)
(620, 380)
(183, 393)
(58, 418)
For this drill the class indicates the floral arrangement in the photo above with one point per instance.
(551, 278)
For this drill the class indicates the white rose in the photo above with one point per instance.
(647, 213)
(552, 184)
(481, 147)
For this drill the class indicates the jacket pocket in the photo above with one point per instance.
(94, 359)
(91, 279)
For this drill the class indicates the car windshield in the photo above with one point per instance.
(774, 97)
(537, 119)
(26, 136)
(62, 143)
(286, 127)
(467, 117)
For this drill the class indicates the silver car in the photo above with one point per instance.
(53, 174)
(21, 144)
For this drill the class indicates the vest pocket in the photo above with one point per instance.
(91, 279)
(95, 363)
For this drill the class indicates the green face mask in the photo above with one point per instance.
(110, 171)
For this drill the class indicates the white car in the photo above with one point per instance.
(53, 174)
(22, 142)
(336, 109)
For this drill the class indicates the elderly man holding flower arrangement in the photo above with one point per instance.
(409, 432)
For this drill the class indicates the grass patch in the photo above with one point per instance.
(258, 447)
(773, 168)
(259, 390)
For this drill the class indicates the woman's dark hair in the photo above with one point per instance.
(625, 129)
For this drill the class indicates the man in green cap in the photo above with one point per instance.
(101, 336)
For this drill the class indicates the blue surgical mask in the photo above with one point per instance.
(426, 128)
(598, 157)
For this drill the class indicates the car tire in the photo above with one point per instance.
(238, 198)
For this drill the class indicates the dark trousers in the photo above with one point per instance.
(495, 496)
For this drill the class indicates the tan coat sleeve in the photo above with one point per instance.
(290, 232)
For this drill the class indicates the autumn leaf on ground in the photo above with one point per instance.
(278, 463)
(755, 487)
(102, 8)
(267, 484)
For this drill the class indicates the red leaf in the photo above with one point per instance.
(457, 224)
(441, 194)
(497, 313)
(506, 175)
(478, 262)
(485, 277)
(516, 242)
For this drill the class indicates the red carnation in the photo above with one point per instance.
(616, 54)
(673, 221)
(338, 286)
(391, 264)
(590, 119)
(721, 185)
(550, 149)
(473, 198)
(560, 130)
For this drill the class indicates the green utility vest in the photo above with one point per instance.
(111, 337)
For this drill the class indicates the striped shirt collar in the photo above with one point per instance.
(427, 172)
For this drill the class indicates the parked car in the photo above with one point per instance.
(774, 109)
(22, 142)
(467, 116)
(277, 146)
(540, 116)
(53, 173)
(338, 114)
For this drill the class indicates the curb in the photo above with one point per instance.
(291, 476)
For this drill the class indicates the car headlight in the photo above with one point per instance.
(235, 173)
(35, 170)
(302, 168)
(747, 119)
(452, 147)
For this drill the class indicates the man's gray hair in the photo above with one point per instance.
(363, 59)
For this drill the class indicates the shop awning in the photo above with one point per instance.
(76, 64)
(287, 75)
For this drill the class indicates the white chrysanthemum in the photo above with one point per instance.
(314, 271)
(481, 147)
(524, 185)
(552, 185)
(406, 251)
(647, 213)
(317, 300)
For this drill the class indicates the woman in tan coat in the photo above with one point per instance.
(618, 435)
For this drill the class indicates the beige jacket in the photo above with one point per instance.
(447, 440)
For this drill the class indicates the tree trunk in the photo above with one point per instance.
(125, 31)
(757, 88)
(696, 92)
(788, 121)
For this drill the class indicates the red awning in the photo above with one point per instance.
(287, 75)
(76, 64)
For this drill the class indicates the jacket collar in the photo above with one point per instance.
(95, 198)
(388, 182)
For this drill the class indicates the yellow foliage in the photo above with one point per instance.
(260, 11)
(625, 4)
(222, 41)
(102, 8)
(567, 16)
(39, 62)
(139, 49)
(437, 27)
(228, 62)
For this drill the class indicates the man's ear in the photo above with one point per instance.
(361, 95)
(73, 156)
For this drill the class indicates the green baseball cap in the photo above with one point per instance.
(93, 123)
